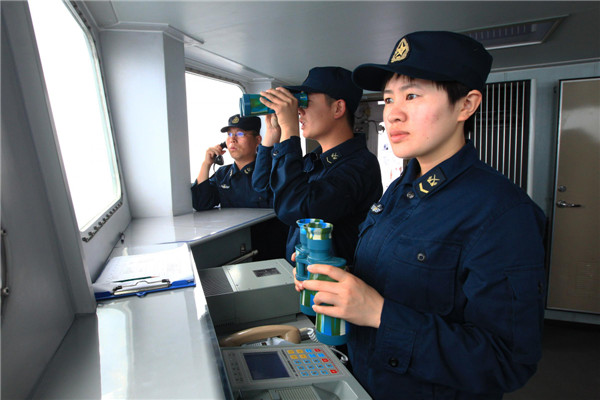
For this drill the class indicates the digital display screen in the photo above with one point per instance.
(266, 365)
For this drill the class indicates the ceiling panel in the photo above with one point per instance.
(284, 39)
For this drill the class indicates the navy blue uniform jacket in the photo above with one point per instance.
(337, 186)
(230, 187)
(458, 256)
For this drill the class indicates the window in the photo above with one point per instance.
(210, 103)
(502, 129)
(76, 95)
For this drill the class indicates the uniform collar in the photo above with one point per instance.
(247, 169)
(441, 174)
(345, 149)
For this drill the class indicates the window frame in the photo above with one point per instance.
(194, 71)
(92, 227)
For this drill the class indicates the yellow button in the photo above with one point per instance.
(291, 351)
(299, 351)
(294, 357)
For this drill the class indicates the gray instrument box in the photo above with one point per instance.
(244, 293)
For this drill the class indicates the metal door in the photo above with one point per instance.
(574, 281)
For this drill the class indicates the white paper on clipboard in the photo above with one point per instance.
(146, 271)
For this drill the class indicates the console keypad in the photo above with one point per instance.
(310, 362)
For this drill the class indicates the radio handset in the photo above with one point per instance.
(286, 332)
(219, 158)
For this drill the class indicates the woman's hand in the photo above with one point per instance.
(350, 298)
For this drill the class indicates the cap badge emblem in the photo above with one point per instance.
(235, 120)
(401, 51)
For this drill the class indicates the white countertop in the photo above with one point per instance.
(192, 228)
(159, 346)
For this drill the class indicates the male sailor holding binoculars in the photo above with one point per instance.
(338, 181)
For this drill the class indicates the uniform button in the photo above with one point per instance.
(275, 152)
(376, 208)
(421, 257)
(393, 362)
(410, 195)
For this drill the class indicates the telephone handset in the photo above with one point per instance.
(286, 332)
(219, 158)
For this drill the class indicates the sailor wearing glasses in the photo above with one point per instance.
(231, 185)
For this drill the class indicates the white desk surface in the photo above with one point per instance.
(192, 228)
(160, 346)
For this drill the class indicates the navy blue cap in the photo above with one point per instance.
(336, 82)
(432, 55)
(244, 123)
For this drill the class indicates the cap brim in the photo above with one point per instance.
(373, 76)
(225, 128)
(297, 89)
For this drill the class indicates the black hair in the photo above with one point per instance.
(455, 92)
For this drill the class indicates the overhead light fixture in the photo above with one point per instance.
(514, 35)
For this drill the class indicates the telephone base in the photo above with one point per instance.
(322, 391)
(302, 371)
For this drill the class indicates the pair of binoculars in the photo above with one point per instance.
(250, 104)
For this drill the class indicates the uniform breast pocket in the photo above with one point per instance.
(422, 273)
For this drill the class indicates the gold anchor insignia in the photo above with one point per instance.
(432, 180)
(401, 51)
(334, 156)
(235, 119)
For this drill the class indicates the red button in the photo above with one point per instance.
(333, 371)
(325, 359)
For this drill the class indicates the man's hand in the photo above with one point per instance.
(273, 131)
(209, 159)
(285, 106)
(212, 153)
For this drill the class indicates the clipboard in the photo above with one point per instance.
(140, 274)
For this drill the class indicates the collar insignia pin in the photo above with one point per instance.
(435, 178)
